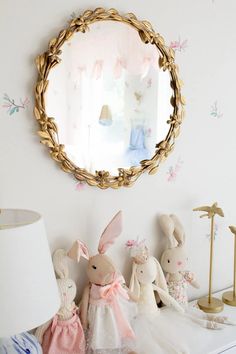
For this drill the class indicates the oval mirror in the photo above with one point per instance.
(112, 107)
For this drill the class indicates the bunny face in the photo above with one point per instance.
(67, 290)
(146, 273)
(174, 260)
(101, 270)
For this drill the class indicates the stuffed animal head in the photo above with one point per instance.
(174, 259)
(66, 286)
(147, 273)
(100, 269)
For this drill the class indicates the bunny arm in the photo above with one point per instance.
(195, 284)
(39, 333)
(169, 299)
(84, 307)
(132, 296)
(190, 278)
(167, 277)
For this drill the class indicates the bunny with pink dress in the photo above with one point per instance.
(63, 334)
(106, 309)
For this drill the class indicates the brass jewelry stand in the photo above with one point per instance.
(229, 297)
(209, 303)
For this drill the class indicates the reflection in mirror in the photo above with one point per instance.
(110, 98)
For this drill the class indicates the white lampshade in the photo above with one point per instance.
(28, 289)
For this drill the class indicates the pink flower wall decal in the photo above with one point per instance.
(174, 170)
(80, 186)
(179, 45)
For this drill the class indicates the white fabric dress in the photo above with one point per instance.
(158, 331)
(109, 315)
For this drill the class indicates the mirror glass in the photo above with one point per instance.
(110, 99)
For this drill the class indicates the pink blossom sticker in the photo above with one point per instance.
(174, 170)
(80, 186)
(179, 45)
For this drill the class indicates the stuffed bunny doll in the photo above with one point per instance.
(174, 262)
(105, 306)
(64, 333)
(174, 259)
(147, 278)
(155, 328)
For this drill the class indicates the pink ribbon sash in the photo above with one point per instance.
(110, 293)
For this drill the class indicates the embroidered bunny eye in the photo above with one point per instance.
(168, 260)
(141, 271)
(94, 267)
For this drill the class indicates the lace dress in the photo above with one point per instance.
(109, 315)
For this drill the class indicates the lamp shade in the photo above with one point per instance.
(28, 289)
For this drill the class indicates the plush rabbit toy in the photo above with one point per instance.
(146, 278)
(155, 328)
(64, 333)
(174, 259)
(174, 262)
(105, 306)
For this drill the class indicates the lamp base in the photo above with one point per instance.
(214, 306)
(229, 298)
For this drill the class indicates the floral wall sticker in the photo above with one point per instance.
(13, 107)
(173, 170)
(179, 45)
(80, 186)
(216, 231)
(215, 112)
(73, 15)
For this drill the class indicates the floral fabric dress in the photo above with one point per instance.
(178, 288)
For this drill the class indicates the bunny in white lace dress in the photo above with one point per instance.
(106, 309)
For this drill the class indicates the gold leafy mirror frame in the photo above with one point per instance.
(48, 127)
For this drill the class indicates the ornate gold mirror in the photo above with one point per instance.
(108, 98)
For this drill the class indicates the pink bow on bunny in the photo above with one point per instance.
(110, 293)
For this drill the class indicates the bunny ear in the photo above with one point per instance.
(160, 280)
(60, 263)
(168, 228)
(178, 231)
(134, 285)
(78, 249)
(112, 231)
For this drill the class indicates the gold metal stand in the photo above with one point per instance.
(209, 303)
(229, 297)
(215, 305)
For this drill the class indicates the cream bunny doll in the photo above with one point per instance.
(174, 259)
(174, 262)
(105, 305)
(64, 333)
(147, 278)
(155, 328)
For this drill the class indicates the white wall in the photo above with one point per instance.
(207, 145)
